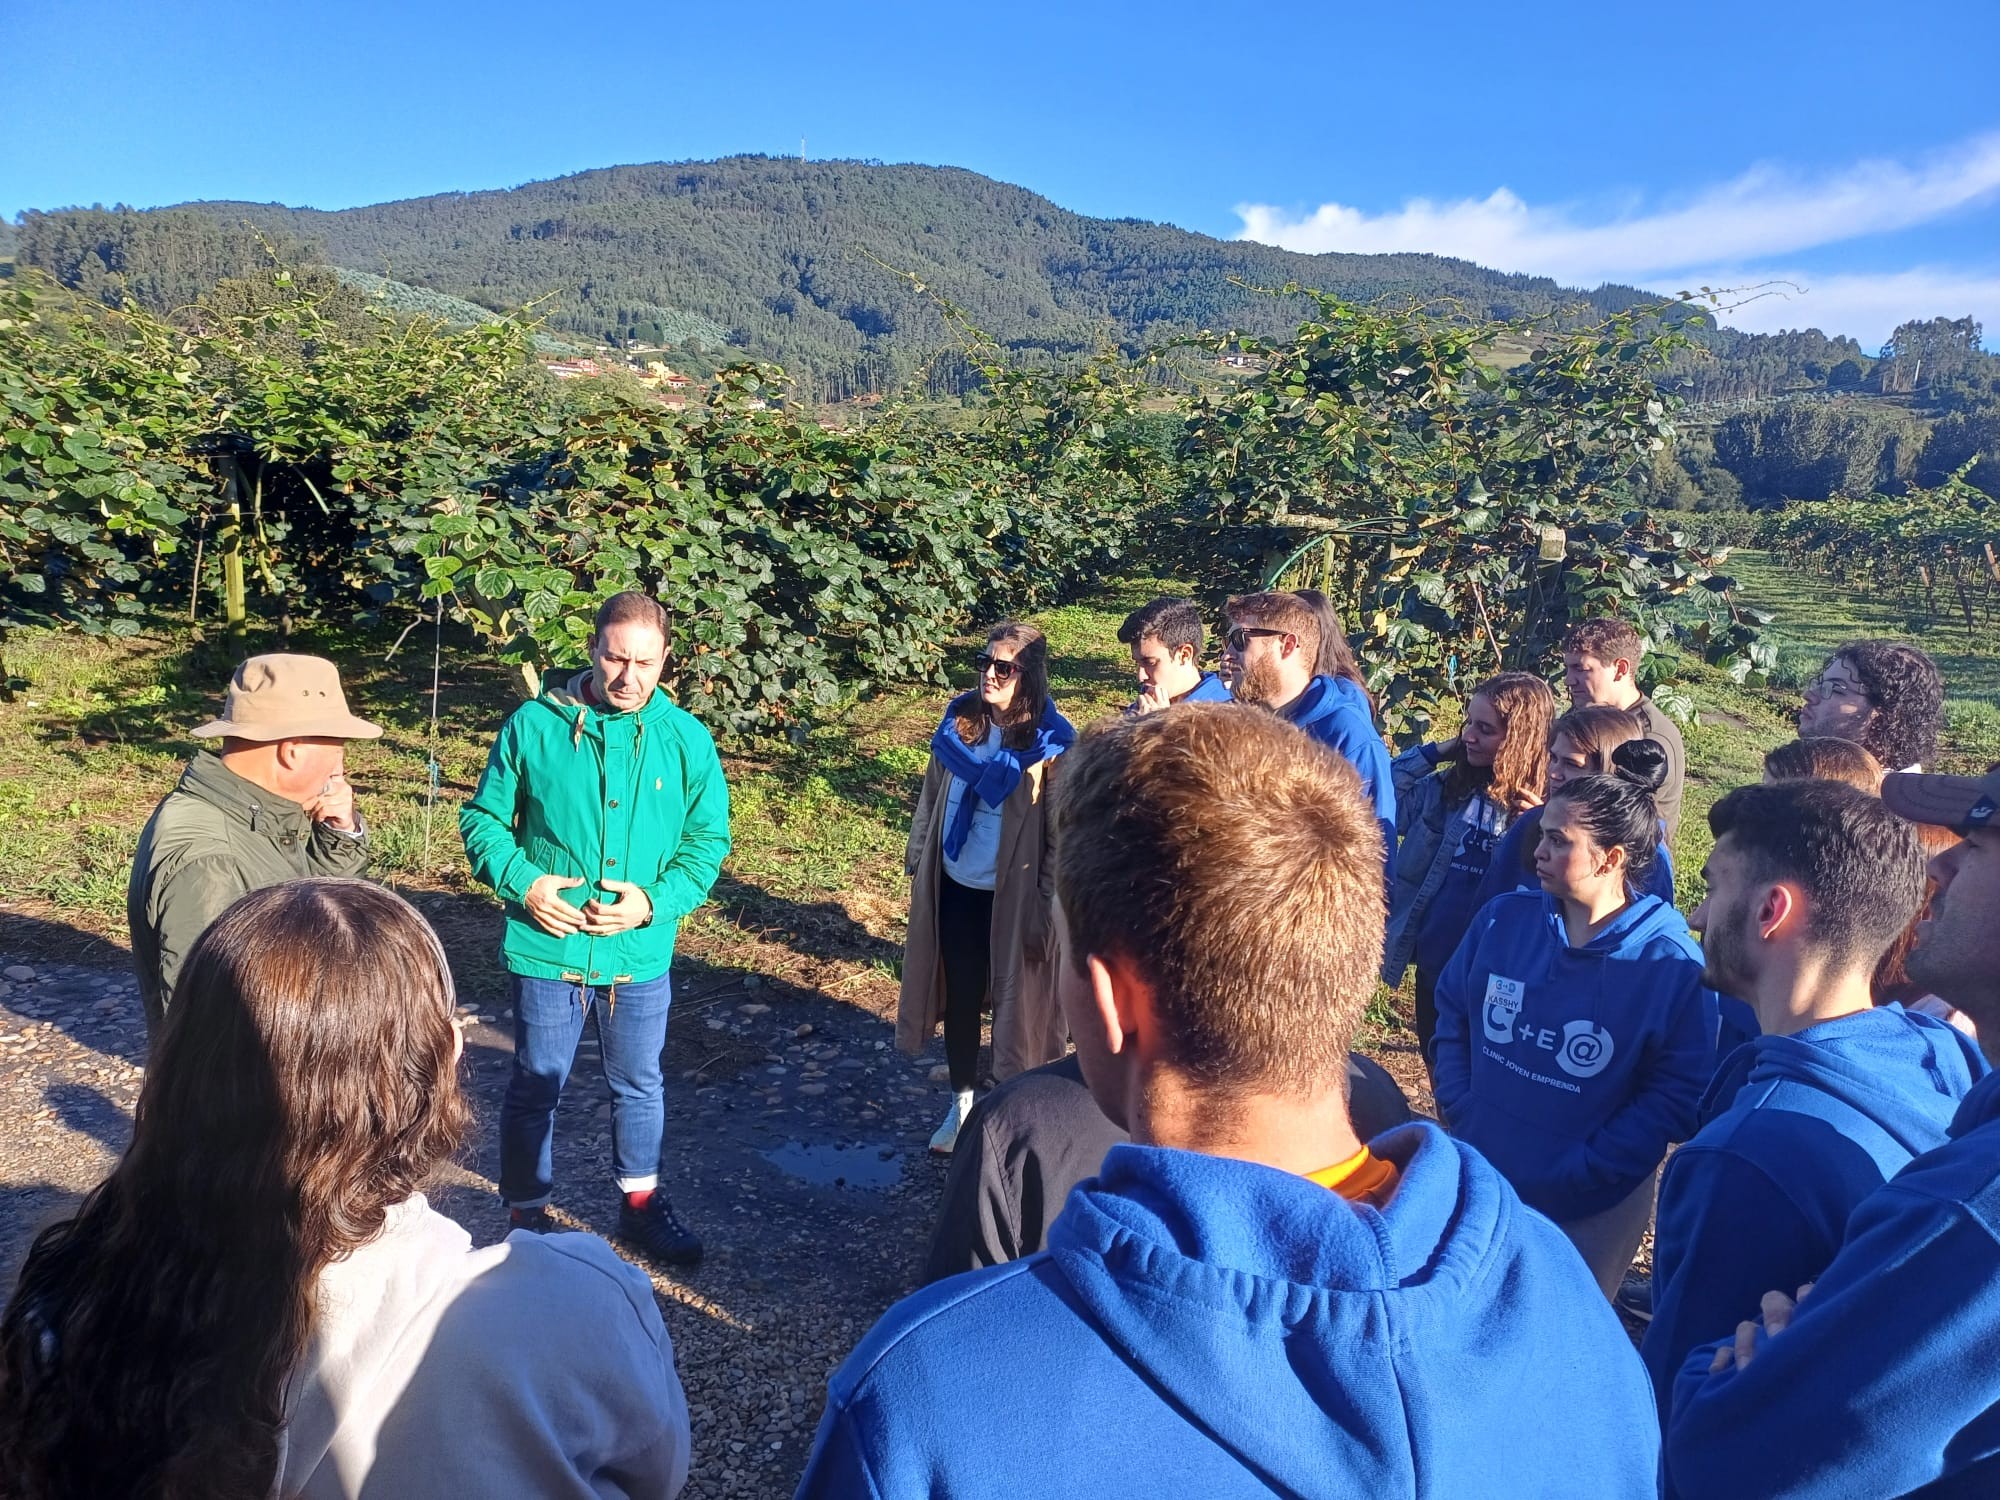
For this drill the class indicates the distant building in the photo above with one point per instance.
(658, 374)
(571, 369)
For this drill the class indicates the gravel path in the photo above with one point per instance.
(795, 1147)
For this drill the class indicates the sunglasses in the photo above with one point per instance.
(1239, 636)
(1003, 670)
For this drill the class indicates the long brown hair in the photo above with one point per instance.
(306, 1081)
(1336, 657)
(969, 712)
(1519, 775)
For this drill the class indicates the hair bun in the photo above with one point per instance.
(1641, 763)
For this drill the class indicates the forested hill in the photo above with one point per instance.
(778, 259)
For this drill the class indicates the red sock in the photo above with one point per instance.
(638, 1200)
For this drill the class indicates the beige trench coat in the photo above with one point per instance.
(1028, 1028)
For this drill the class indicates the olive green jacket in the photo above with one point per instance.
(570, 789)
(213, 838)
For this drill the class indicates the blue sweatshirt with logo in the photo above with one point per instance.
(1796, 1131)
(1885, 1382)
(1200, 1326)
(1335, 712)
(1572, 1069)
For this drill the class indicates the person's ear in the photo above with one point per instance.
(1614, 860)
(1781, 911)
(1121, 1001)
(1625, 670)
(287, 754)
(1185, 655)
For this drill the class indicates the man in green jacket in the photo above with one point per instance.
(601, 820)
(272, 805)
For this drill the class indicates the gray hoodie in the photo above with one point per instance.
(538, 1366)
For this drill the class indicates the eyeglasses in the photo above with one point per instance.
(1834, 687)
(1002, 668)
(1239, 636)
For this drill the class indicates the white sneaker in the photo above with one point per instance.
(947, 1133)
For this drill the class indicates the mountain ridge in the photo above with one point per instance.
(797, 261)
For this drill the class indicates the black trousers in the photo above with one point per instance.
(965, 944)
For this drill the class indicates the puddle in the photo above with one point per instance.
(868, 1167)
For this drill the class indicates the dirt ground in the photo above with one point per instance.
(796, 1138)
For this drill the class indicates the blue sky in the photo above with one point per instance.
(1851, 148)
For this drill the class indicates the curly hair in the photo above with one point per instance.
(1907, 694)
(305, 1083)
(1519, 775)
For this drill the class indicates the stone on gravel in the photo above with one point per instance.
(19, 973)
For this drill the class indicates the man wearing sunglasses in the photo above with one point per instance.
(1165, 637)
(1268, 658)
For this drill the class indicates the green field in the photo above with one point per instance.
(814, 889)
(1813, 617)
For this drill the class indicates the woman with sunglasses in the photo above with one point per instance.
(1885, 696)
(982, 869)
(259, 1301)
(1453, 802)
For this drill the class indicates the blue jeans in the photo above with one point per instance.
(548, 1024)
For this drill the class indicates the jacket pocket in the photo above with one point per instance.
(551, 859)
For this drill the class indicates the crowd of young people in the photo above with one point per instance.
(1210, 1251)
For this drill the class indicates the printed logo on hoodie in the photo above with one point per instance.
(1502, 1008)
(1583, 1049)
(1586, 1048)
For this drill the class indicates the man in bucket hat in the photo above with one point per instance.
(1880, 1378)
(272, 805)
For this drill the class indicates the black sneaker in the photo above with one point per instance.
(1635, 1298)
(536, 1220)
(656, 1232)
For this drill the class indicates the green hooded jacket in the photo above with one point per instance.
(571, 789)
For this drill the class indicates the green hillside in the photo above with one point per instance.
(796, 263)
(781, 257)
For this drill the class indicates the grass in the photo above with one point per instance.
(99, 735)
(1815, 616)
(815, 886)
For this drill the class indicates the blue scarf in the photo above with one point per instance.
(993, 781)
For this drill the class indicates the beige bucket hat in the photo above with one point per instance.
(283, 697)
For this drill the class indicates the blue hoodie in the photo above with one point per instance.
(1797, 1131)
(1512, 867)
(1209, 690)
(1573, 1068)
(1203, 1326)
(1335, 712)
(1886, 1382)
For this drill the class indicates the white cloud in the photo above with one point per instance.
(1866, 307)
(1765, 212)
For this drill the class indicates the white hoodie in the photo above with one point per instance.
(538, 1366)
